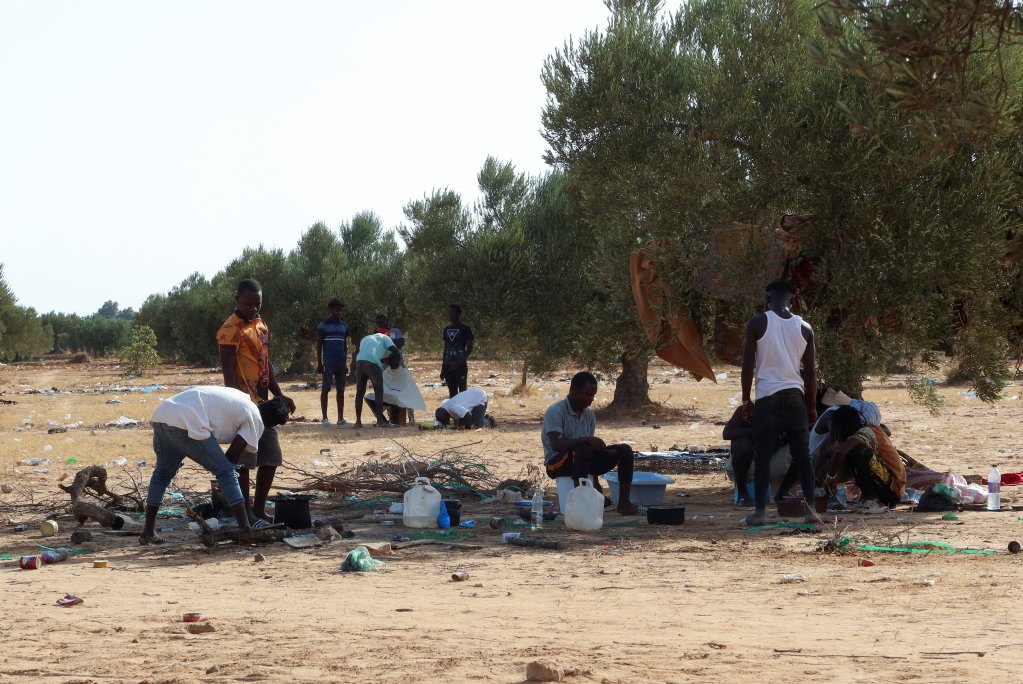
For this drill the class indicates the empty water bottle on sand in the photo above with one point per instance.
(994, 489)
(55, 555)
(536, 511)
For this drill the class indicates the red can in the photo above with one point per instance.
(866, 563)
(30, 563)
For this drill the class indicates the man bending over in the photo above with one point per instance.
(194, 424)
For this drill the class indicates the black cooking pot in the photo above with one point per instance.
(666, 515)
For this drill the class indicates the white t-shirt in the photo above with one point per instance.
(221, 412)
(464, 402)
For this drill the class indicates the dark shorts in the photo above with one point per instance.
(269, 452)
(334, 375)
(603, 461)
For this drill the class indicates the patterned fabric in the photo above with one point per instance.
(873, 438)
(251, 340)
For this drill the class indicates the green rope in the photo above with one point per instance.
(924, 547)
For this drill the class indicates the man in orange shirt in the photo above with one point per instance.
(245, 356)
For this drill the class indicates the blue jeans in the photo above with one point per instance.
(781, 414)
(172, 445)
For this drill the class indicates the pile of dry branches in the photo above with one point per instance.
(450, 470)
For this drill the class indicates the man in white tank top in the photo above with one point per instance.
(779, 351)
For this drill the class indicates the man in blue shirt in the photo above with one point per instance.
(331, 353)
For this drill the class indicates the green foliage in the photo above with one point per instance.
(140, 356)
(22, 333)
(933, 58)
(720, 115)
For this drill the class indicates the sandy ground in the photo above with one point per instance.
(632, 603)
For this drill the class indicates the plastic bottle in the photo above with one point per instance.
(536, 511)
(55, 555)
(422, 505)
(584, 507)
(994, 489)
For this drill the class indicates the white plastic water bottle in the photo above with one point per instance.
(994, 489)
(536, 511)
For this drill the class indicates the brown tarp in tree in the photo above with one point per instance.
(676, 338)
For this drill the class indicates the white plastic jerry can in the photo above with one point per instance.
(584, 507)
(422, 504)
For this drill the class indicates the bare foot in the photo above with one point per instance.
(147, 539)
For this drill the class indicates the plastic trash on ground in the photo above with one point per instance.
(359, 560)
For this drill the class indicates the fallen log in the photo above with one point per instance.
(265, 535)
(94, 480)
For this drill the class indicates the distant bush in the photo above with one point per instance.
(140, 356)
(80, 357)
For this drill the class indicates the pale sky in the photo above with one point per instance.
(142, 141)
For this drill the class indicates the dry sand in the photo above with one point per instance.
(700, 602)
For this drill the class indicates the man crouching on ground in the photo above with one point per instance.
(194, 424)
(570, 448)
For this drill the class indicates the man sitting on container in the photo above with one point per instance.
(739, 431)
(194, 424)
(467, 409)
(570, 448)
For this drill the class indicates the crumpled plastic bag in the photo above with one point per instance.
(359, 560)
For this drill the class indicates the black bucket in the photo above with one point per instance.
(454, 507)
(293, 511)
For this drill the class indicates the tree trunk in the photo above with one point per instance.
(524, 367)
(632, 390)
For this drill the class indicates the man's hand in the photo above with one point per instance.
(319, 368)
(597, 444)
(747, 410)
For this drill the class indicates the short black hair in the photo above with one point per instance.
(250, 285)
(273, 412)
(383, 316)
(781, 286)
(582, 379)
(845, 422)
(335, 303)
(458, 309)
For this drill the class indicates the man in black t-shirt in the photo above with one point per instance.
(457, 347)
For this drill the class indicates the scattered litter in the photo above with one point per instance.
(69, 600)
(123, 421)
(360, 560)
(792, 578)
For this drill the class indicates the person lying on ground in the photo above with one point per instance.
(466, 409)
(193, 424)
(331, 354)
(571, 449)
(374, 351)
(244, 344)
(868, 454)
(739, 431)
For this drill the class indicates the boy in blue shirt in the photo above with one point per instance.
(331, 354)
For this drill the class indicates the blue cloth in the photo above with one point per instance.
(333, 334)
(172, 445)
